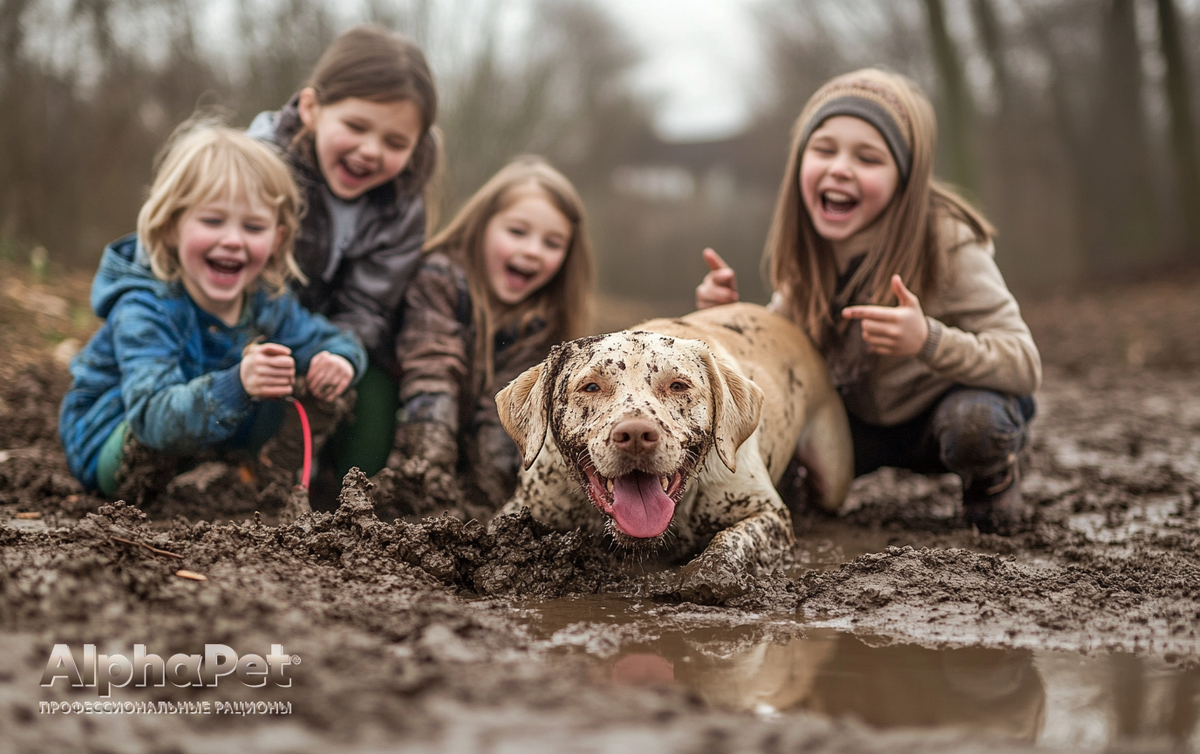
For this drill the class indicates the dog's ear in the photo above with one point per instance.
(737, 406)
(524, 406)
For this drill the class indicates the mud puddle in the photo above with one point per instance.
(771, 666)
(829, 544)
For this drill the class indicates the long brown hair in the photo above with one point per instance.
(564, 303)
(372, 63)
(801, 263)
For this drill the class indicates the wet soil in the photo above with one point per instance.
(440, 635)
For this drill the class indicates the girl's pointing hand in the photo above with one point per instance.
(893, 330)
(719, 285)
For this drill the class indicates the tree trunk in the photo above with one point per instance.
(993, 47)
(1183, 130)
(1120, 164)
(955, 100)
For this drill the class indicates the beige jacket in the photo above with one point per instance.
(976, 338)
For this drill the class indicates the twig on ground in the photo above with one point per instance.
(154, 550)
(15, 452)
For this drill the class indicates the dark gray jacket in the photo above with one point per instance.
(364, 289)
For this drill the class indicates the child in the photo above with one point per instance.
(509, 277)
(199, 325)
(892, 276)
(360, 143)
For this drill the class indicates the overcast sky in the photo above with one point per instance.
(702, 59)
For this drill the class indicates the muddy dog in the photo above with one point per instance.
(678, 430)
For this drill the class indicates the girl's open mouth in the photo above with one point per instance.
(836, 203)
(224, 269)
(358, 172)
(517, 279)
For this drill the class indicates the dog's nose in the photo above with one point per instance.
(635, 436)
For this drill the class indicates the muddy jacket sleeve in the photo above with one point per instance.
(510, 362)
(494, 456)
(976, 334)
(435, 342)
(376, 274)
(167, 411)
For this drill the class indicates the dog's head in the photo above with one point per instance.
(634, 414)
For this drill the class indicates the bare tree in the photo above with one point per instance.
(568, 97)
(1121, 155)
(86, 106)
(1182, 126)
(279, 46)
(991, 38)
(955, 126)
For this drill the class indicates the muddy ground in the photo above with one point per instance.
(418, 635)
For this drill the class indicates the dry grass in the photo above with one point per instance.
(43, 318)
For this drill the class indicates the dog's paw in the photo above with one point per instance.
(712, 579)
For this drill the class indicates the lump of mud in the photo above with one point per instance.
(33, 469)
(516, 555)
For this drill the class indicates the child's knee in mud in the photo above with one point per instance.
(979, 431)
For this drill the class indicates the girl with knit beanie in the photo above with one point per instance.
(893, 277)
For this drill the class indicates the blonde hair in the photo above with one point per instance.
(565, 302)
(801, 263)
(204, 160)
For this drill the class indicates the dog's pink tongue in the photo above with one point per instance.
(640, 506)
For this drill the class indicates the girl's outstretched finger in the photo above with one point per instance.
(903, 295)
(713, 260)
(719, 285)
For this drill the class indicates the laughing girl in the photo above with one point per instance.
(200, 331)
(510, 276)
(893, 277)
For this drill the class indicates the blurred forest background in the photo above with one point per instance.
(1072, 123)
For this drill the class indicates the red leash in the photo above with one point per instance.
(306, 472)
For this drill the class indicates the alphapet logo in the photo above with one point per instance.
(103, 672)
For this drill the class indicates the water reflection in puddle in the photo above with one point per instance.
(774, 666)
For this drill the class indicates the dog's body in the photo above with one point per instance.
(683, 423)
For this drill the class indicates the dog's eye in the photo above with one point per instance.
(591, 387)
(678, 387)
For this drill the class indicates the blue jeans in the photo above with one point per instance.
(971, 432)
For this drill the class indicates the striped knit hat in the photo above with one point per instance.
(869, 101)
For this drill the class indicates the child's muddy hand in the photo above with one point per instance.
(893, 330)
(719, 285)
(267, 370)
(329, 375)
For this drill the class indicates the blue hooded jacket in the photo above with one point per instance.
(169, 368)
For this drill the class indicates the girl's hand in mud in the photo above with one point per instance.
(719, 285)
(267, 370)
(893, 330)
(329, 375)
